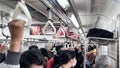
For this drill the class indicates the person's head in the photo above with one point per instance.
(82, 47)
(90, 48)
(94, 47)
(65, 58)
(32, 59)
(102, 61)
(33, 47)
(58, 47)
(44, 52)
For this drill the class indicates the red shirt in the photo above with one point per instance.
(50, 62)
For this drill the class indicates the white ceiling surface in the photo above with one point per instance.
(102, 16)
(36, 4)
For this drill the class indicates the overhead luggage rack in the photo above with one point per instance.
(101, 41)
(97, 32)
(99, 38)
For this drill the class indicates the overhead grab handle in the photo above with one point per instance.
(22, 7)
(47, 29)
(61, 31)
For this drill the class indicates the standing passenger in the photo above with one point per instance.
(16, 28)
(65, 59)
(32, 59)
(102, 62)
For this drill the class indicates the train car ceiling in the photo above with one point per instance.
(96, 13)
(88, 13)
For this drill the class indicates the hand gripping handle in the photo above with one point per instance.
(22, 7)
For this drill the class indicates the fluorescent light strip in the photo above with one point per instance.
(63, 3)
(80, 31)
(74, 21)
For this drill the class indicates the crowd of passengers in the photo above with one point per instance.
(43, 58)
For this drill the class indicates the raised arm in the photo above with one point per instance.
(16, 28)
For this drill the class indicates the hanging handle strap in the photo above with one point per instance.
(22, 7)
(60, 32)
(49, 23)
(46, 25)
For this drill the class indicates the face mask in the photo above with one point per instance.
(75, 62)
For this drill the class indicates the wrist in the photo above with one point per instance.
(15, 46)
(16, 41)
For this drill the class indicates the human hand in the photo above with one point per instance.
(3, 49)
(16, 28)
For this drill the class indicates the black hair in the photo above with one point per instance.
(94, 47)
(82, 47)
(33, 47)
(90, 48)
(80, 60)
(44, 52)
(58, 47)
(63, 57)
(31, 57)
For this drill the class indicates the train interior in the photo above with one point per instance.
(75, 22)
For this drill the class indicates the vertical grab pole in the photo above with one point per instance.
(118, 42)
(86, 44)
(50, 14)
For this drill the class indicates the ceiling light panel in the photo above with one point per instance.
(63, 4)
(74, 21)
